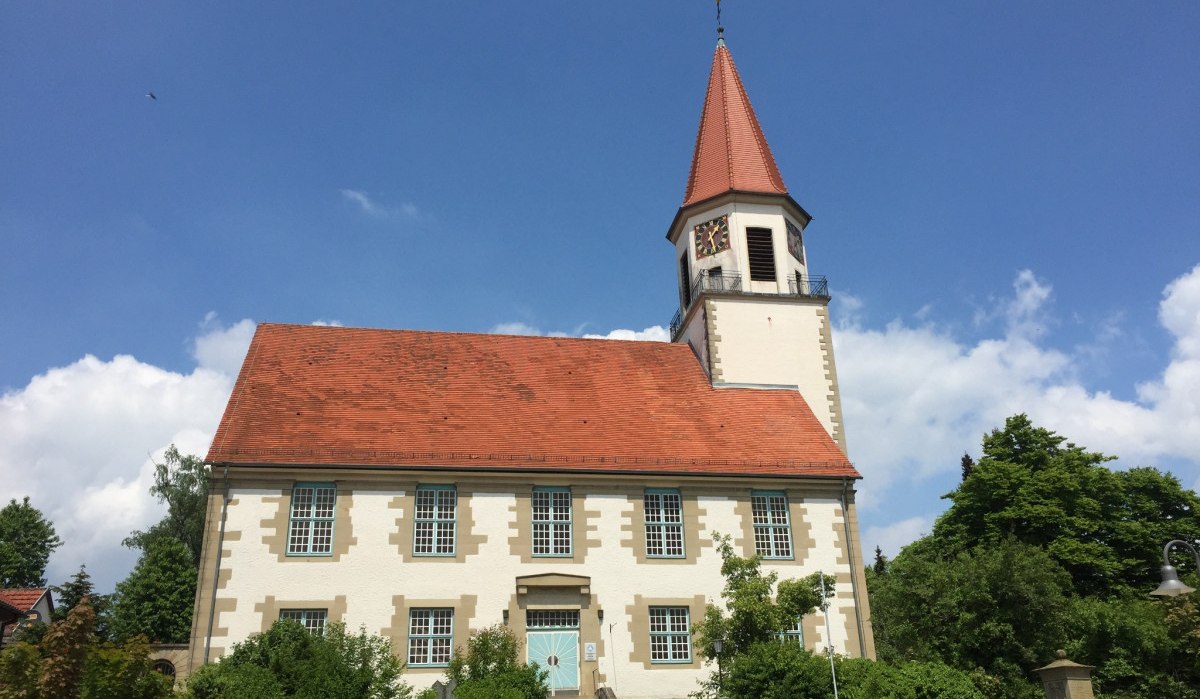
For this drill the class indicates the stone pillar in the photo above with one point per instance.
(1063, 679)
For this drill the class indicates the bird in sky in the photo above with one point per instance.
(151, 96)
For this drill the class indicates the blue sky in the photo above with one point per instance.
(1006, 198)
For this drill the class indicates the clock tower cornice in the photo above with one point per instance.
(733, 196)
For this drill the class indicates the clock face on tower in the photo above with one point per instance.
(795, 241)
(712, 237)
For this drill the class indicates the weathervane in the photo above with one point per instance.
(720, 29)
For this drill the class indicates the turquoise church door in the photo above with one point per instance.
(557, 652)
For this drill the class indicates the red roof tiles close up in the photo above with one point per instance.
(22, 598)
(310, 395)
(731, 150)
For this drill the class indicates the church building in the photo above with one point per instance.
(427, 484)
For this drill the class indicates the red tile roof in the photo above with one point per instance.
(731, 151)
(22, 598)
(312, 395)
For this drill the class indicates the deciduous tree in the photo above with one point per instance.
(26, 541)
(181, 481)
(156, 599)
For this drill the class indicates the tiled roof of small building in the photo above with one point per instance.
(731, 150)
(22, 598)
(310, 395)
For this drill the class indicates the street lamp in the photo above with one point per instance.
(1171, 585)
(718, 646)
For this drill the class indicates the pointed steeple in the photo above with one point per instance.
(731, 151)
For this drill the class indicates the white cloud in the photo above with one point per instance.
(514, 328)
(371, 208)
(654, 333)
(220, 348)
(895, 536)
(915, 396)
(328, 323)
(81, 441)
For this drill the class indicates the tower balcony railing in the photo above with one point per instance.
(731, 283)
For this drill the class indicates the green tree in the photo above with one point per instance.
(20, 666)
(490, 668)
(72, 592)
(1000, 607)
(182, 482)
(1104, 527)
(70, 662)
(26, 541)
(156, 599)
(122, 672)
(64, 649)
(289, 661)
(757, 609)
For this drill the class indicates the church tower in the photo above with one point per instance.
(749, 307)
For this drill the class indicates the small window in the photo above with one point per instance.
(310, 527)
(551, 522)
(164, 667)
(311, 619)
(435, 520)
(664, 523)
(772, 530)
(430, 637)
(670, 639)
(762, 254)
(552, 619)
(794, 633)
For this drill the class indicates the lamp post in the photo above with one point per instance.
(1171, 585)
(718, 646)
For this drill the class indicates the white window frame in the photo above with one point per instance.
(552, 515)
(772, 525)
(430, 636)
(670, 635)
(314, 620)
(435, 520)
(311, 517)
(664, 523)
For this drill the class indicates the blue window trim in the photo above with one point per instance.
(663, 526)
(303, 617)
(553, 523)
(438, 521)
(771, 528)
(311, 519)
(687, 613)
(429, 637)
(793, 634)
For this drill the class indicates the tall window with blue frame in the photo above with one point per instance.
(670, 637)
(430, 637)
(551, 522)
(664, 523)
(310, 525)
(435, 520)
(772, 527)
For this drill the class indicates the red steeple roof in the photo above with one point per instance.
(731, 151)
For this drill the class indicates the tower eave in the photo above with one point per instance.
(736, 196)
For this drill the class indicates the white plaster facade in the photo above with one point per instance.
(374, 567)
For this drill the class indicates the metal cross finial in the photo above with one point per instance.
(720, 29)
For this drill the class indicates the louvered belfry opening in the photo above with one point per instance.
(762, 254)
(685, 281)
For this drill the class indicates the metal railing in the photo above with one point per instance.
(731, 283)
